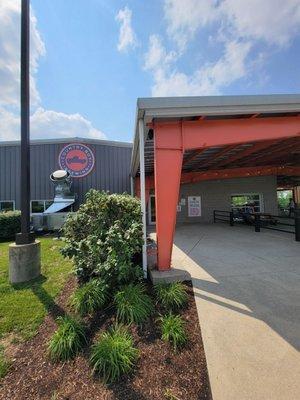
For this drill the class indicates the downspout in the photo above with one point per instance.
(131, 186)
(143, 196)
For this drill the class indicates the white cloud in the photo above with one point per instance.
(127, 37)
(44, 123)
(48, 124)
(10, 53)
(274, 21)
(208, 80)
(9, 125)
(238, 26)
(185, 17)
(156, 56)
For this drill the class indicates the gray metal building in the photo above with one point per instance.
(110, 170)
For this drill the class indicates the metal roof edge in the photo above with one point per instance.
(69, 140)
(135, 150)
(217, 101)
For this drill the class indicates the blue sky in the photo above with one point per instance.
(91, 59)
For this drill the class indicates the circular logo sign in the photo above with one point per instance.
(77, 159)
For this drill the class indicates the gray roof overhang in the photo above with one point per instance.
(164, 108)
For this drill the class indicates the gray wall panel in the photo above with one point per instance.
(216, 195)
(111, 170)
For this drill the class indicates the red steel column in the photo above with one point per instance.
(167, 171)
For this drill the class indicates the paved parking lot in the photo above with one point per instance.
(247, 290)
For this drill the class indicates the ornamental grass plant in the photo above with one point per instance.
(171, 296)
(114, 354)
(173, 330)
(67, 340)
(133, 304)
(89, 297)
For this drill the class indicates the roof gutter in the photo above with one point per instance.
(135, 157)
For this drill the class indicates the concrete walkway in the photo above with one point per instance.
(247, 290)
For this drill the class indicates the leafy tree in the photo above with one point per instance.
(283, 197)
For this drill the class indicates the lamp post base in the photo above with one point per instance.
(24, 238)
(24, 262)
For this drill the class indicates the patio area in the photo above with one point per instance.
(247, 293)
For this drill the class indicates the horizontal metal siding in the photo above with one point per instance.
(10, 173)
(216, 195)
(111, 171)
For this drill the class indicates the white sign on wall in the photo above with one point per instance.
(194, 206)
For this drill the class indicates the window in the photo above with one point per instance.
(7, 205)
(39, 206)
(239, 201)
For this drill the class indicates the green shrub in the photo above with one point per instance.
(90, 297)
(114, 354)
(4, 364)
(68, 339)
(104, 236)
(171, 296)
(173, 330)
(133, 304)
(10, 224)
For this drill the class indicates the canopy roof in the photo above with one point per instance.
(250, 154)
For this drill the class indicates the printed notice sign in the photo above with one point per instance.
(194, 206)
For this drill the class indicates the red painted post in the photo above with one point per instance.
(167, 170)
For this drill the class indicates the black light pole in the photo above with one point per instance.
(25, 237)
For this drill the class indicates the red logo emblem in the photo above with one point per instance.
(77, 159)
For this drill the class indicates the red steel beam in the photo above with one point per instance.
(167, 175)
(193, 156)
(262, 170)
(191, 177)
(269, 155)
(281, 156)
(211, 133)
(218, 155)
(247, 152)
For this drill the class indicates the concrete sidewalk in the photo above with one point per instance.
(247, 290)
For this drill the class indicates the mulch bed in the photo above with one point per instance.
(159, 370)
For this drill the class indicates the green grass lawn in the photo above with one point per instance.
(24, 306)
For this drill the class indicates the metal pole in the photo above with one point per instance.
(297, 223)
(143, 197)
(257, 222)
(25, 237)
(231, 220)
(131, 186)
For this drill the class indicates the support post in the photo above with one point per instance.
(257, 222)
(143, 193)
(297, 223)
(167, 170)
(231, 222)
(131, 186)
(24, 255)
(25, 237)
